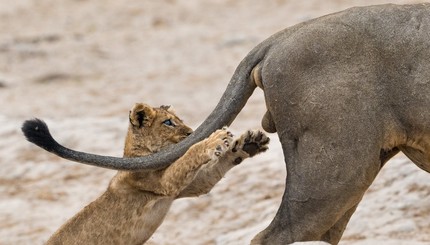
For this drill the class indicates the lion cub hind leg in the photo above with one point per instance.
(183, 171)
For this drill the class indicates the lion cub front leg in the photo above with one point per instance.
(247, 145)
(183, 171)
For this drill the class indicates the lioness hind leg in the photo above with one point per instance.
(323, 184)
(307, 216)
(336, 231)
(183, 171)
(420, 157)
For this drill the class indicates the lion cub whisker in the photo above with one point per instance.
(136, 202)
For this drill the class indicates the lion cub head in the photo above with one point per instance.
(151, 129)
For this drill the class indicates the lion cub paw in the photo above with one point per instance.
(252, 142)
(219, 143)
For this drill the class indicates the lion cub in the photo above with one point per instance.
(135, 203)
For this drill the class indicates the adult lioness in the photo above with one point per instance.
(135, 203)
(345, 92)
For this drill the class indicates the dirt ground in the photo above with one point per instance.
(81, 65)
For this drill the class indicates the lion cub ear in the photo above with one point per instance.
(141, 115)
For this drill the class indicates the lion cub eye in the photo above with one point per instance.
(169, 122)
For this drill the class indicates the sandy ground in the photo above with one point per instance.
(81, 64)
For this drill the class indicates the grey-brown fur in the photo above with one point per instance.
(345, 92)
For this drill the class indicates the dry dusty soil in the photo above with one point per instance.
(81, 64)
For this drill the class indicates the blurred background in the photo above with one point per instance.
(81, 64)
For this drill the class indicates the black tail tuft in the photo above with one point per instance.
(37, 132)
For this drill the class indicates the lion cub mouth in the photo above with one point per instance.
(178, 138)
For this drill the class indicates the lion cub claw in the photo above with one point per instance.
(136, 202)
(254, 142)
(218, 143)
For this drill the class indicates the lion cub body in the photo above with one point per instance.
(135, 203)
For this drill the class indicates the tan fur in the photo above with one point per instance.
(345, 93)
(135, 203)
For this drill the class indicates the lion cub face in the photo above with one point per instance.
(151, 129)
